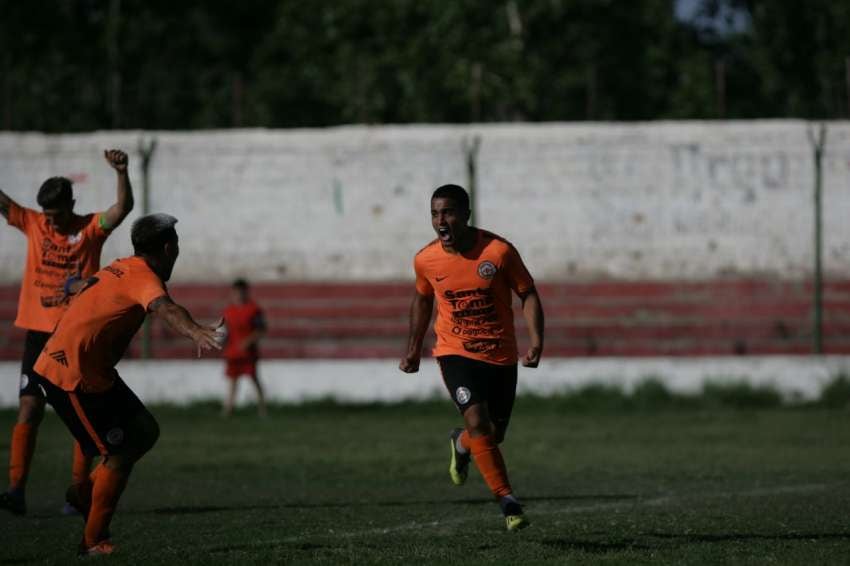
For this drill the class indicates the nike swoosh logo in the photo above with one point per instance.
(441, 278)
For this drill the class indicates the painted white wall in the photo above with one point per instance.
(360, 381)
(661, 200)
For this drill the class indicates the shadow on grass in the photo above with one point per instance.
(247, 547)
(743, 537)
(594, 547)
(202, 509)
(668, 540)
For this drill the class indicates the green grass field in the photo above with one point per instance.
(363, 485)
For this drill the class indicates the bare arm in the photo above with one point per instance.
(253, 338)
(116, 213)
(179, 319)
(256, 335)
(5, 203)
(420, 316)
(532, 311)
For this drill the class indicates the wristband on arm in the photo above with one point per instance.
(103, 223)
(70, 281)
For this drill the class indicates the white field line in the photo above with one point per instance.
(658, 501)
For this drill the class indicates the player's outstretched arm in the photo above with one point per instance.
(116, 213)
(5, 202)
(179, 319)
(420, 316)
(532, 310)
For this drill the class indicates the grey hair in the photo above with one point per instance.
(150, 233)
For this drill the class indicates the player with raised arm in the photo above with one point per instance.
(246, 326)
(471, 273)
(60, 245)
(78, 366)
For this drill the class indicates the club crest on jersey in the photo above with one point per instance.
(115, 436)
(463, 395)
(75, 238)
(486, 270)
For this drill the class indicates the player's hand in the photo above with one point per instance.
(117, 159)
(532, 357)
(206, 338)
(409, 364)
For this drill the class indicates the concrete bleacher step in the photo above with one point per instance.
(608, 318)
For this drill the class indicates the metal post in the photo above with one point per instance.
(818, 143)
(146, 150)
(470, 151)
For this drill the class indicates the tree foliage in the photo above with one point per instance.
(72, 65)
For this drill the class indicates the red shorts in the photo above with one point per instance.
(235, 368)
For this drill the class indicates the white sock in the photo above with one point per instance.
(460, 449)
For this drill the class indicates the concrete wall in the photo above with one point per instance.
(689, 200)
(362, 381)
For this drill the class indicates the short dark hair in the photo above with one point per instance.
(55, 192)
(150, 233)
(240, 284)
(454, 192)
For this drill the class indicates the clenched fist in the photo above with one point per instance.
(117, 159)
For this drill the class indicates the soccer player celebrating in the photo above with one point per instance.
(245, 326)
(60, 245)
(78, 366)
(471, 273)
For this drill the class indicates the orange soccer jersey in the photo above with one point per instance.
(242, 320)
(98, 326)
(51, 259)
(473, 295)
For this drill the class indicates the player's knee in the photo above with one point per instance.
(31, 410)
(478, 422)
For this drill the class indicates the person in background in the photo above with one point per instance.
(245, 326)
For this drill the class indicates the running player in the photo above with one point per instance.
(245, 326)
(471, 273)
(60, 245)
(77, 367)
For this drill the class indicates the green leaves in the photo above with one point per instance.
(194, 64)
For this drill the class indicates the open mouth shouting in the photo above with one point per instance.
(444, 233)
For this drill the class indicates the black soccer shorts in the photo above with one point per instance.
(472, 381)
(103, 423)
(31, 382)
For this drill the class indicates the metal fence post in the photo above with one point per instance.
(146, 150)
(470, 151)
(818, 143)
